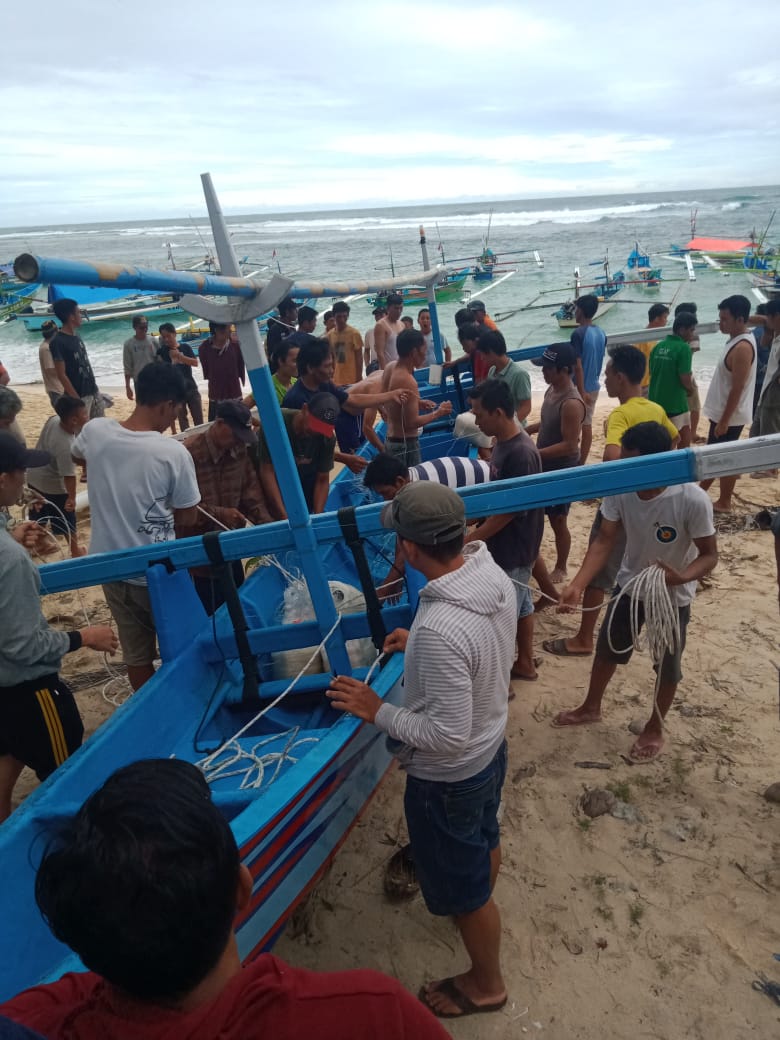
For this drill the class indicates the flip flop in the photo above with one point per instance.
(465, 1004)
(653, 749)
(566, 725)
(400, 881)
(559, 648)
(519, 677)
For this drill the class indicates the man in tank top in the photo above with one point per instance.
(729, 401)
(558, 437)
(387, 329)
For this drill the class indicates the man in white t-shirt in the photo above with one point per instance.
(671, 527)
(137, 478)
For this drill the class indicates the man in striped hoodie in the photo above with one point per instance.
(449, 733)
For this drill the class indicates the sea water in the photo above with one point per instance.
(368, 243)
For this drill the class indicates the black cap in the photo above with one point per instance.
(14, 455)
(475, 305)
(379, 310)
(239, 419)
(558, 355)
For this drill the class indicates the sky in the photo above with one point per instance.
(111, 111)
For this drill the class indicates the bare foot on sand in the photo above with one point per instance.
(646, 748)
(458, 996)
(581, 716)
(558, 575)
(722, 507)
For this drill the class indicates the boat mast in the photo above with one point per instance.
(437, 349)
(278, 442)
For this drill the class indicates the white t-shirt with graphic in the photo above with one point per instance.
(136, 480)
(662, 528)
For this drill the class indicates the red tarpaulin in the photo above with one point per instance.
(719, 245)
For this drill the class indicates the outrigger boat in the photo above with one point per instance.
(640, 269)
(606, 288)
(291, 774)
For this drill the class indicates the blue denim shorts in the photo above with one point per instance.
(525, 601)
(452, 830)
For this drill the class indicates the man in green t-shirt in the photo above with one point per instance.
(671, 382)
(492, 346)
(312, 434)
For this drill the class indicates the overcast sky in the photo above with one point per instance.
(111, 110)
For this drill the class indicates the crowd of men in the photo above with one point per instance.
(471, 635)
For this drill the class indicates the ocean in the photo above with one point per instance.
(567, 232)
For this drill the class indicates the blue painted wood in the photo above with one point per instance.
(568, 485)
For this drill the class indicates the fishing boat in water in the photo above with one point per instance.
(243, 695)
(605, 288)
(99, 304)
(641, 271)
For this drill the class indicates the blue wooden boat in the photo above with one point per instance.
(307, 771)
(641, 270)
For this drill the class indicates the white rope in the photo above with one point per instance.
(249, 759)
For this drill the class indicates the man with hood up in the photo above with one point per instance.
(449, 733)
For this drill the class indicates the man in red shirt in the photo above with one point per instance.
(144, 883)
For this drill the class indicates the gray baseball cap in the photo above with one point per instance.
(426, 513)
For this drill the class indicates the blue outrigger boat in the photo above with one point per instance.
(291, 774)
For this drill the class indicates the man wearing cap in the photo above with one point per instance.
(39, 721)
(230, 493)
(449, 733)
(558, 437)
(480, 315)
(312, 432)
(369, 349)
(137, 479)
(51, 381)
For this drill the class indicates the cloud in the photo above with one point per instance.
(356, 103)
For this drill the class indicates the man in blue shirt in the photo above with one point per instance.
(589, 343)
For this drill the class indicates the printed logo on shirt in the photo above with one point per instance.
(157, 522)
(665, 534)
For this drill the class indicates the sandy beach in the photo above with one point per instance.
(650, 923)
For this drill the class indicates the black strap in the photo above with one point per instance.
(224, 574)
(459, 391)
(349, 527)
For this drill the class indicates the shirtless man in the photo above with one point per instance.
(404, 421)
(387, 330)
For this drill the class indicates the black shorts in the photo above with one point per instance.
(617, 629)
(54, 510)
(39, 723)
(731, 434)
(559, 509)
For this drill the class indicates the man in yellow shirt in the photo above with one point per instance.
(346, 343)
(622, 379)
(657, 317)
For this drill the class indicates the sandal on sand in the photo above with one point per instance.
(400, 875)
(646, 753)
(577, 722)
(465, 1005)
(559, 648)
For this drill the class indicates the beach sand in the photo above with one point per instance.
(652, 926)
